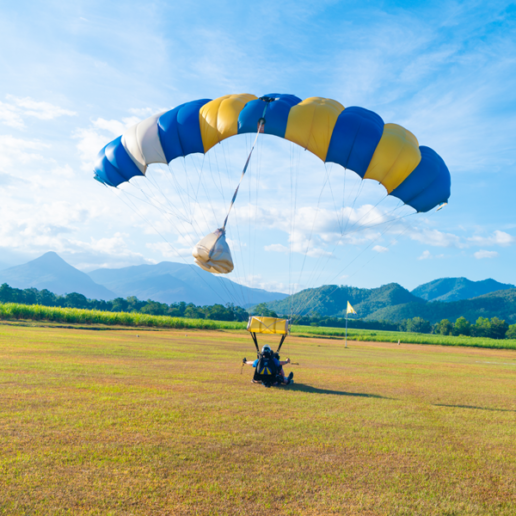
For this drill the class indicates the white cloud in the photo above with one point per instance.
(426, 255)
(13, 112)
(97, 135)
(15, 151)
(65, 171)
(435, 238)
(485, 254)
(380, 249)
(10, 116)
(38, 109)
(497, 238)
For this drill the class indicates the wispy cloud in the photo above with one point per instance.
(15, 110)
(485, 254)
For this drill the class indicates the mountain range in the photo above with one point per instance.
(51, 272)
(456, 289)
(170, 282)
(166, 282)
(394, 303)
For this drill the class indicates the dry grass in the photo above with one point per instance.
(112, 423)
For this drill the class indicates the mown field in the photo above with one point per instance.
(139, 422)
(16, 312)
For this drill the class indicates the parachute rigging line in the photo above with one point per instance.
(261, 123)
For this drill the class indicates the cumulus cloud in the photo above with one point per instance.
(19, 150)
(436, 238)
(100, 132)
(13, 112)
(485, 254)
(380, 249)
(497, 238)
(425, 255)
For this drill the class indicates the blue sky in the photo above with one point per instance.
(74, 76)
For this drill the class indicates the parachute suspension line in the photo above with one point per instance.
(322, 269)
(261, 123)
(317, 270)
(392, 221)
(291, 226)
(294, 181)
(313, 224)
(245, 293)
(229, 288)
(135, 209)
(358, 191)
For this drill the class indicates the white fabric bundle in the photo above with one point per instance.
(212, 253)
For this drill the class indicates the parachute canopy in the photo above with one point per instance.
(268, 325)
(353, 137)
(212, 253)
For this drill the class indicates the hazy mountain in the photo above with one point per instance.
(170, 282)
(501, 304)
(456, 289)
(51, 272)
(331, 300)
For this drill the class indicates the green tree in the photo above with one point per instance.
(482, 327)
(462, 327)
(75, 300)
(264, 311)
(419, 325)
(120, 305)
(154, 308)
(445, 327)
(511, 332)
(498, 328)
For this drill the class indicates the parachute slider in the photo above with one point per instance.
(268, 325)
(212, 253)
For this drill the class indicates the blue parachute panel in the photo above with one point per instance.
(428, 185)
(179, 130)
(276, 115)
(355, 137)
(105, 172)
(117, 155)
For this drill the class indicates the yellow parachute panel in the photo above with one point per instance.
(218, 119)
(395, 157)
(269, 325)
(311, 122)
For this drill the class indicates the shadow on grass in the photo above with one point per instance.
(314, 390)
(473, 407)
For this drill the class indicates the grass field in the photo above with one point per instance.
(144, 422)
(16, 311)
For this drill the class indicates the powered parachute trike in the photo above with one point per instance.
(189, 146)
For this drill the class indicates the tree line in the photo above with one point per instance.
(493, 328)
(33, 296)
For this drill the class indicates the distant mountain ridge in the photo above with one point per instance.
(501, 304)
(51, 272)
(166, 282)
(331, 300)
(170, 282)
(457, 289)
(394, 303)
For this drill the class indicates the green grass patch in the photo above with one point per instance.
(404, 337)
(163, 422)
(15, 311)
